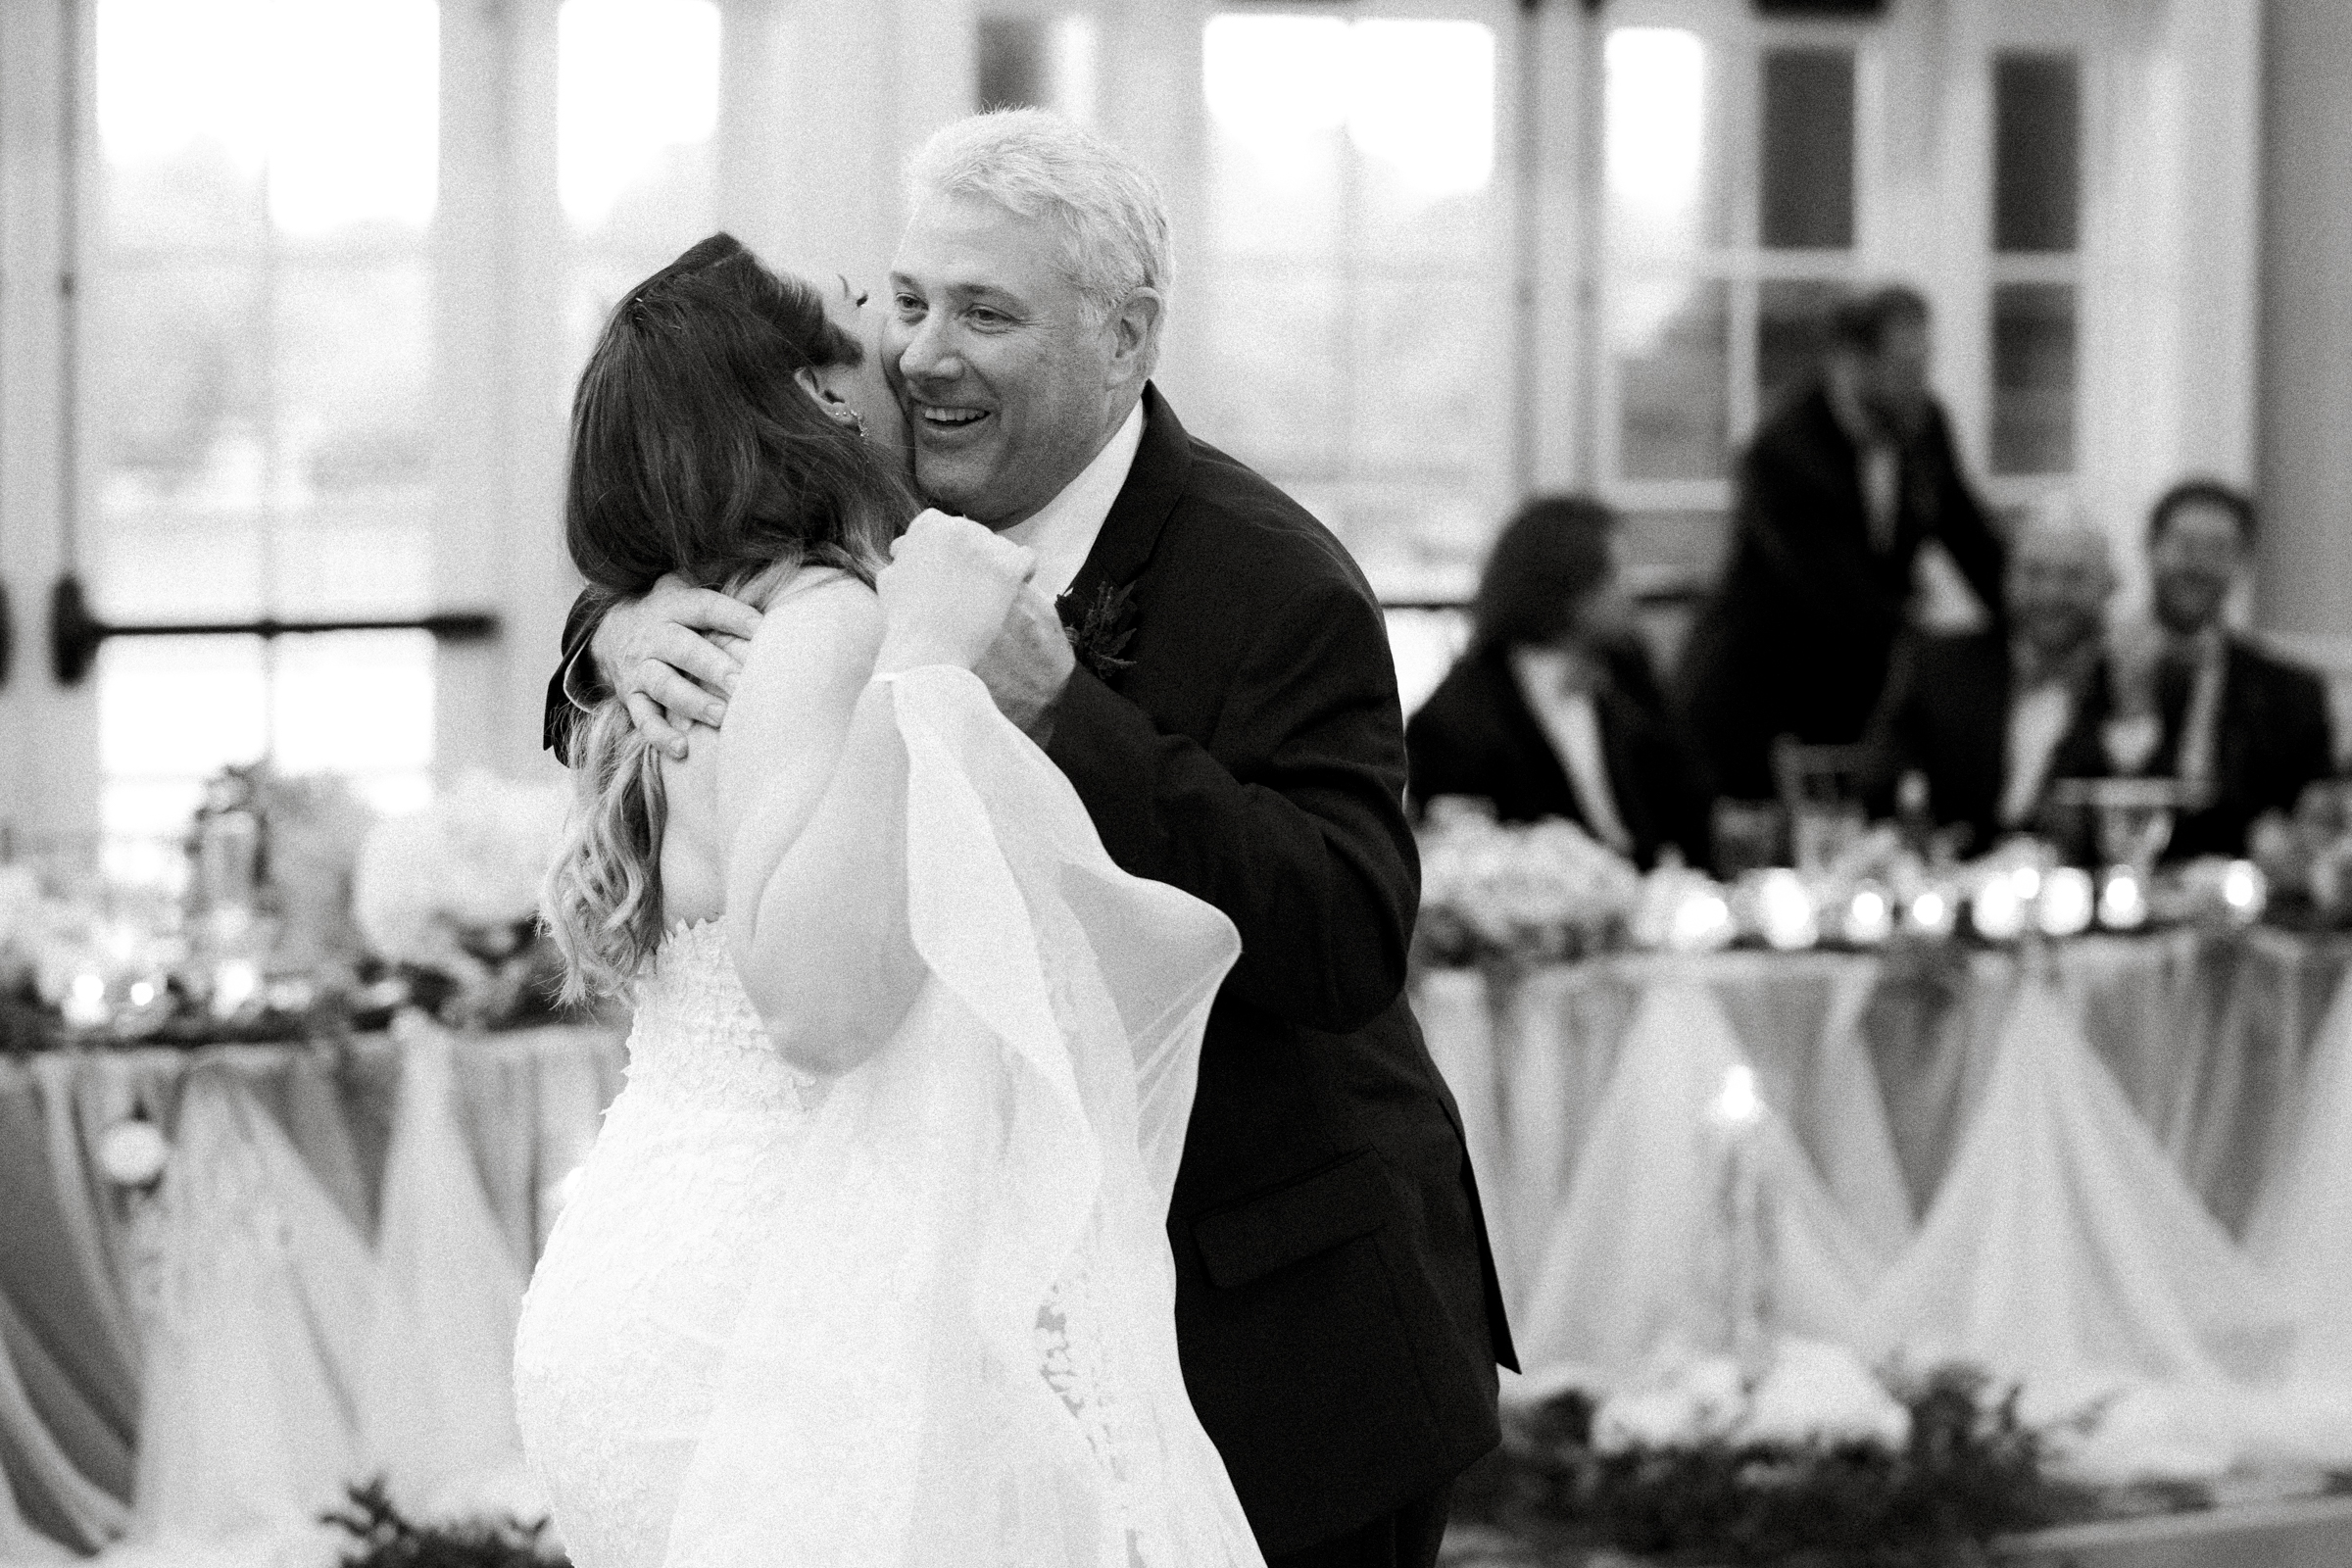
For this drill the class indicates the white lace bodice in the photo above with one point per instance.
(699, 1047)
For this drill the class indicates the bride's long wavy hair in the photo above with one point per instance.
(693, 450)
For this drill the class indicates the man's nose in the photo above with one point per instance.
(930, 355)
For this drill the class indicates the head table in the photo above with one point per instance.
(1874, 1062)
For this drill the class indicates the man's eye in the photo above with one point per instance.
(982, 316)
(908, 305)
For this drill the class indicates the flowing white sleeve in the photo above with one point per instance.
(1000, 1168)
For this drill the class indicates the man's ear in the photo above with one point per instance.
(1135, 336)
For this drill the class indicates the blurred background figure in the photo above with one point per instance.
(1852, 517)
(2186, 698)
(1554, 711)
(1981, 716)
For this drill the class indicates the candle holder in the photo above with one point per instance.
(1737, 1112)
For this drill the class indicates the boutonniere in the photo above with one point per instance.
(1102, 629)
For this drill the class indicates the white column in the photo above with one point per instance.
(48, 733)
(500, 405)
(1557, 193)
(2305, 448)
(1148, 101)
(821, 100)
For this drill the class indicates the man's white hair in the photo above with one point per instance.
(1042, 165)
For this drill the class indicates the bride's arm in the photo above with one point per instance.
(811, 798)
(812, 786)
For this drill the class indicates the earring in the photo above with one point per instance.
(845, 415)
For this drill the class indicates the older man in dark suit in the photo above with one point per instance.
(1229, 716)
(1852, 517)
(1983, 715)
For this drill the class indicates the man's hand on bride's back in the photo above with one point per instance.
(947, 591)
(673, 656)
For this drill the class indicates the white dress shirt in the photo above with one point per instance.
(1062, 531)
(2039, 718)
(1571, 722)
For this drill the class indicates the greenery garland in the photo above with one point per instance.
(1971, 1471)
(388, 1539)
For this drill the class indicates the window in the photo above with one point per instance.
(255, 362)
(1353, 287)
(2037, 224)
(1730, 212)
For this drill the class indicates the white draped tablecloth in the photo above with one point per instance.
(1877, 1061)
(380, 1201)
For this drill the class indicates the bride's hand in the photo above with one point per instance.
(947, 591)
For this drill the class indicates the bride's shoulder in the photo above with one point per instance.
(818, 595)
(815, 619)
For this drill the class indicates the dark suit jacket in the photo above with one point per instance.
(1797, 635)
(1476, 735)
(2271, 739)
(1336, 1309)
(1946, 713)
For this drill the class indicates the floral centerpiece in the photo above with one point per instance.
(449, 896)
(1517, 892)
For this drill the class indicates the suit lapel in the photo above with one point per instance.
(1154, 483)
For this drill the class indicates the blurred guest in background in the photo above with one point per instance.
(1982, 715)
(1852, 516)
(1554, 710)
(2187, 699)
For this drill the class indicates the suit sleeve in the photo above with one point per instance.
(2308, 748)
(1892, 736)
(558, 712)
(1303, 842)
(1966, 531)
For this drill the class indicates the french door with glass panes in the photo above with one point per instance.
(315, 382)
(2009, 158)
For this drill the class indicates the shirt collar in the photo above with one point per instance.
(1062, 531)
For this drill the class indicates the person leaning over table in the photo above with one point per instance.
(1981, 714)
(1853, 519)
(1553, 711)
(2188, 698)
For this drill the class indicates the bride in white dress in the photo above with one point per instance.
(869, 1264)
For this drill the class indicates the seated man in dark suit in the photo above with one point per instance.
(1982, 715)
(1852, 515)
(1554, 711)
(2244, 731)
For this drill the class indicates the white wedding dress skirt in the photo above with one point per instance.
(924, 1314)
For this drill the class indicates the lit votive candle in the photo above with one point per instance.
(1931, 912)
(1784, 909)
(2067, 901)
(235, 983)
(85, 1005)
(1869, 916)
(2245, 891)
(1998, 911)
(1702, 922)
(2123, 901)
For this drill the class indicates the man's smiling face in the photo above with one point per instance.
(1008, 381)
